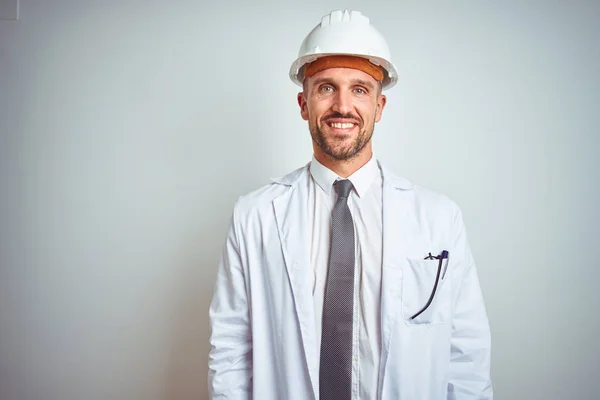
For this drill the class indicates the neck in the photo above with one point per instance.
(344, 168)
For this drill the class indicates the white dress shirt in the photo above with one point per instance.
(365, 203)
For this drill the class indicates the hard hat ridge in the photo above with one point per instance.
(347, 33)
(344, 16)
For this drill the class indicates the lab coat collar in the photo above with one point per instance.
(395, 181)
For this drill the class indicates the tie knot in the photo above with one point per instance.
(343, 188)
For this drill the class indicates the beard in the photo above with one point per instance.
(338, 149)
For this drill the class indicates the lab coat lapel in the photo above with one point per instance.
(398, 236)
(291, 217)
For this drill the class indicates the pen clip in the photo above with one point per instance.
(444, 256)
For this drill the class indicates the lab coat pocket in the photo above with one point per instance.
(417, 285)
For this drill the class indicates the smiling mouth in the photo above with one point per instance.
(341, 125)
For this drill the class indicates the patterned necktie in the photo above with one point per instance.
(335, 372)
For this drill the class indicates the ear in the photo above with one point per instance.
(381, 101)
(303, 106)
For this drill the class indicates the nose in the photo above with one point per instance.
(343, 102)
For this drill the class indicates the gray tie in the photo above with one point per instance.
(335, 371)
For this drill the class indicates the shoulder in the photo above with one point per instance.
(264, 196)
(433, 199)
(422, 198)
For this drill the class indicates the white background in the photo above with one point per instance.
(129, 128)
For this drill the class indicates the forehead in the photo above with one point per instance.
(340, 76)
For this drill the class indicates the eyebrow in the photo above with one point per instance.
(363, 83)
(320, 81)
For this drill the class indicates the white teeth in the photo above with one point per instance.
(341, 125)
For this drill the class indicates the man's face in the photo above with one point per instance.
(341, 106)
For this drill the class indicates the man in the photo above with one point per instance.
(341, 280)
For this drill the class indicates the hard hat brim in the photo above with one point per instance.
(390, 75)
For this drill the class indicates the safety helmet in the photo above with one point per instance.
(345, 32)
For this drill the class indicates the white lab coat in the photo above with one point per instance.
(263, 338)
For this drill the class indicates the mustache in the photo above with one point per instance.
(338, 115)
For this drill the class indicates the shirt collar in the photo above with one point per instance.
(362, 179)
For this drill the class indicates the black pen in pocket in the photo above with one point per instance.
(441, 258)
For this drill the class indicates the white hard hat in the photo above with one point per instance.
(345, 32)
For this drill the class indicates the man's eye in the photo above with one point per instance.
(359, 91)
(326, 89)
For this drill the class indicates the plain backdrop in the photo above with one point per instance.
(129, 128)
